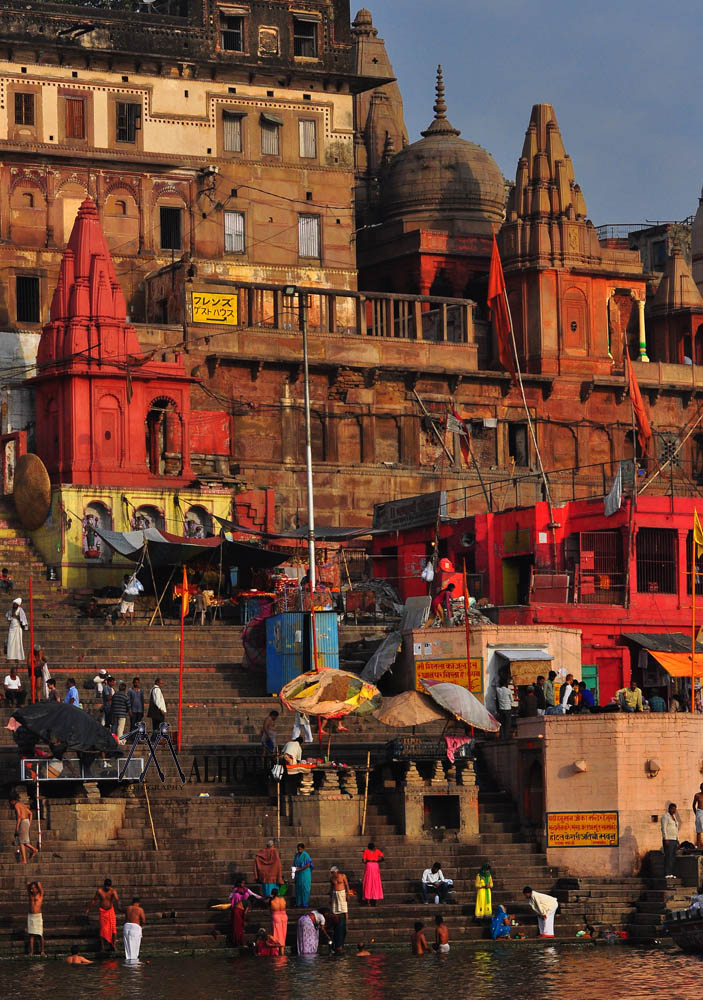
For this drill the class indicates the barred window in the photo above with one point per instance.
(27, 289)
(232, 124)
(75, 118)
(307, 137)
(305, 37)
(232, 33)
(309, 236)
(24, 109)
(129, 121)
(271, 135)
(234, 232)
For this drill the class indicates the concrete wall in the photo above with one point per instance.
(615, 748)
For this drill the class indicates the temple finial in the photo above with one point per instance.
(440, 107)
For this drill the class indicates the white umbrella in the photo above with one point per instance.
(462, 704)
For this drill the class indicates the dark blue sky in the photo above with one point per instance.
(622, 76)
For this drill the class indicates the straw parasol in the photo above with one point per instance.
(409, 709)
(461, 703)
(330, 692)
(32, 491)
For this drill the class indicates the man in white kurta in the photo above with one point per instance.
(545, 907)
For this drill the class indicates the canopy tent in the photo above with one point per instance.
(322, 534)
(525, 662)
(165, 549)
(678, 664)
(57, 723)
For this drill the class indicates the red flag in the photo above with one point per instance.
(644, 430)
(498, 304)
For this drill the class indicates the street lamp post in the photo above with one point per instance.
(291, 291)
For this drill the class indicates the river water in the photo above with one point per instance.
(511, 972)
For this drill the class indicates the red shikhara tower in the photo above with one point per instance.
(106, 414)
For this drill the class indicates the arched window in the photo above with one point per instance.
(27, 199)
(120, 208)
(96, 517)
(147, 516)
(197, 523)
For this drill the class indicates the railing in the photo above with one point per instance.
(365, 314)
(73, 769)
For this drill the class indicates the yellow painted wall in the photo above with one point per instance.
(60, 539)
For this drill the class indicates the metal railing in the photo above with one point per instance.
(73, 769)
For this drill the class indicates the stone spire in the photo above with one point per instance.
(677, 289)
(441, 124)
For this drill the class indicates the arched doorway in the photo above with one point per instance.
(534, 794)
(164, 438)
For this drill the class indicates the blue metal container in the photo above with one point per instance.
(289, 649)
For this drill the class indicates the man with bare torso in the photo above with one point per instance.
(441, 935)
(134, 920)
(75, 959)
(23, 819)
(339, 894)
(698, 815)
(35, 920)
(107, 900)
(418, 941)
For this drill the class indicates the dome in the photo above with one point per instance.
(444, 177)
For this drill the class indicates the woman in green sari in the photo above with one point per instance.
(302, 862)
(484, 884)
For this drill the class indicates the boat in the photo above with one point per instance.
(686, 929)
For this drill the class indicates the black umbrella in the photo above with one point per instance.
(68, 727)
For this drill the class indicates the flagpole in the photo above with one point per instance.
(693, 615)
(184, 604)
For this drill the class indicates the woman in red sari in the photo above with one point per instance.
(371, 887)
(265, 944)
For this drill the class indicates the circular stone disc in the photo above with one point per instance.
(32, 494)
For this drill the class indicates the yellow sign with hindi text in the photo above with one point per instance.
(582, 829)
(214, 307)
(453, 672)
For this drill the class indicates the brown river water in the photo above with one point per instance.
(507, 973)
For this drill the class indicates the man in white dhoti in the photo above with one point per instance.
(132, 931)
(18, 623)
(545, 907)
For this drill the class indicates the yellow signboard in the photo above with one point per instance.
(453, 671)
(214, 307)
(582, 829)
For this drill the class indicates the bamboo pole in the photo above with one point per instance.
(160, 599)
(151, 818)
(31, 635)
(278, 810)
(39, 832)
(366, 792)
(693, 624)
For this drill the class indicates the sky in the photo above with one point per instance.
(622, 77)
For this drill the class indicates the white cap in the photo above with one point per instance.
(17, 600)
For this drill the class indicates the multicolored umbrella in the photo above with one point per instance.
(461, 703)
(330, 692)
(409, 709)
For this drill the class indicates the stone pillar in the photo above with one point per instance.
(642, 331)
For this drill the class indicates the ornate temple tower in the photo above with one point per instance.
(106, 413)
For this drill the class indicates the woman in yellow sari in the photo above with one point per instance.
(484, 884)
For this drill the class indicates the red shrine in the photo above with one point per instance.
(107, 414)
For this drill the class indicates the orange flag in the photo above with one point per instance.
(184, 595)
(644, 430)
(498, 304)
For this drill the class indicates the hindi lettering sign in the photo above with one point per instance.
(452, 672)
(410, 512)
(214, 307)
(583, 829)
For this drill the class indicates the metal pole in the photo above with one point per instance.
(308, 442)
(31, 636)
